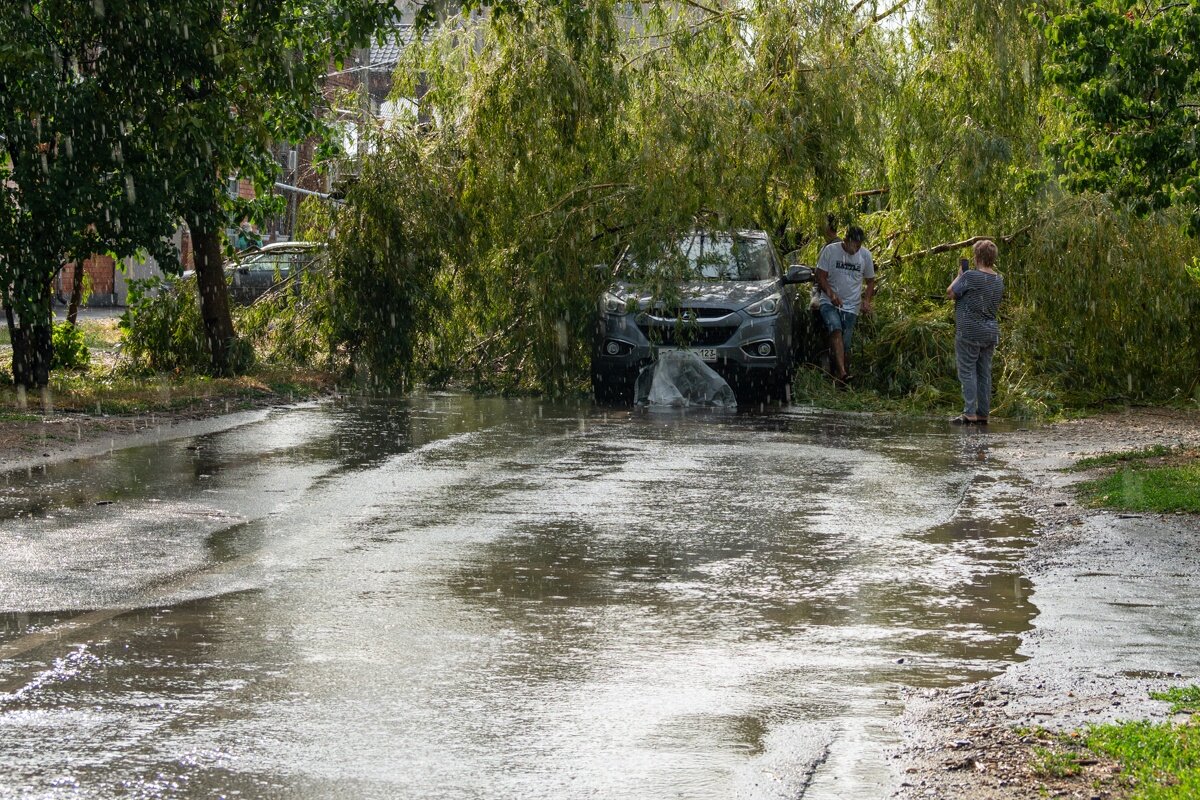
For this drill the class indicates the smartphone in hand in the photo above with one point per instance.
(963, 265)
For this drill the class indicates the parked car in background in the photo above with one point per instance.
(258, 270)
(736, 308)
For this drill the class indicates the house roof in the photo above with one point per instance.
(385, 56)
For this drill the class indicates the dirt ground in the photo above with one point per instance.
(1118, 597)
(29, 440)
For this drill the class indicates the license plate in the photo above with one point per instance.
(706, 353)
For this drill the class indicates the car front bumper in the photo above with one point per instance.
(733, 344)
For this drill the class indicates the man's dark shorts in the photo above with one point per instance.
(838, 320)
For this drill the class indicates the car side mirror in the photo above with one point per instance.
(798, 273)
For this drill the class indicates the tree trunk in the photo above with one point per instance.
(16, 336)
(214, 298)
(32, 345)
(76, 293)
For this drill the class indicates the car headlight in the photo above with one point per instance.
(613, 304)
(768, 306)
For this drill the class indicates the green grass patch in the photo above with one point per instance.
(18, 416)
(1161, 761)
(1171, 488)
(1124, 457)
(121, 394)
(1181, 698)
(100, 334)
(1055, 763)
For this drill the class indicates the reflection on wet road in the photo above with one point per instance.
(461, 598)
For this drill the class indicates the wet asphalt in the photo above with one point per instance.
(452, 597)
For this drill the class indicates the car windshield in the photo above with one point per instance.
(282, 260)
(717, 257)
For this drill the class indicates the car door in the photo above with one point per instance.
(252, 276)
(266, 271)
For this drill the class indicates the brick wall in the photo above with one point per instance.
(100, 269)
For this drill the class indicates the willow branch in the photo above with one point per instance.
(477, 347)
(702, 7)
(946, 247)
(880, 17)
(693, 27)
(566, 197)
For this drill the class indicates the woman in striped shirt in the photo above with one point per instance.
(976, 294)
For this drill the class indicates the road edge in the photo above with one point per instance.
(984, 740)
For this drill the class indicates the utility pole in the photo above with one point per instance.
(364, 103)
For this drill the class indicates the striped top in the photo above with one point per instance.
(978, 295)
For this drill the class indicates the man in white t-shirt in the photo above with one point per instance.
(842, 268)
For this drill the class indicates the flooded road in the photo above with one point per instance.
(459, 598)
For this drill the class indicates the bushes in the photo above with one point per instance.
(1099, 308)
(291, 324)
(1102, 306)
(910, 351)
(70, 351)
(162, 328)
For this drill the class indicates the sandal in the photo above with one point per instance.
(962, 419)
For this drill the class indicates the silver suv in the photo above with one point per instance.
(257, 271)
(735, 307)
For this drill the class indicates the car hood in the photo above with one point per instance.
(702, 294)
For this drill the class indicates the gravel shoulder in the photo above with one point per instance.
(1118, 599)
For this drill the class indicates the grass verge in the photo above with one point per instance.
(1131, 760)
(1159, 761)
(1181, 698)
(104, 388)
(1147, 488)
(1049, 763)
(125, 394)
(1123, 457)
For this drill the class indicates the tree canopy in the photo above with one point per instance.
(1130, 77)
(123, 118)
(80, 173)
(546, 143)
(565, 135)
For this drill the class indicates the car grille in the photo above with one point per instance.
(693, 313)
(693, 335)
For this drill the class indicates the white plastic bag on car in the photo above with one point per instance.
(679, 378)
